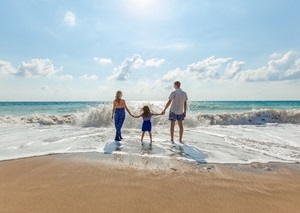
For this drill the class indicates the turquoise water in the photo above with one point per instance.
(45, 108)
(65, 108)
(241, 106)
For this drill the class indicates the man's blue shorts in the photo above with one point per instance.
(175, 117)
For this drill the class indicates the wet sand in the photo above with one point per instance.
(73, 183)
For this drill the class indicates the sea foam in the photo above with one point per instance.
(101, 117)
(258, 135)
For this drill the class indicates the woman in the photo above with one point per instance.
(118, 114)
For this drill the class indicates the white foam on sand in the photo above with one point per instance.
(204, 144)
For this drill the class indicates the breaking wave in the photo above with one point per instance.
(101, 117)
(254, 117)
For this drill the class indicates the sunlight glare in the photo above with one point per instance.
(144, 7)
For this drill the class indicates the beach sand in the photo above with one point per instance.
(74, 183)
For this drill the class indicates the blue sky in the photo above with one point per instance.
(86, 50)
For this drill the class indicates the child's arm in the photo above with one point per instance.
(155, 114)
(136, 116)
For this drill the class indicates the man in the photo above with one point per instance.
(178, 98)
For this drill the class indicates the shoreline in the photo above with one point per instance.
(110, 158)
(89, 182)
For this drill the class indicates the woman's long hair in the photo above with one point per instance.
(146, 112)
(118, 96)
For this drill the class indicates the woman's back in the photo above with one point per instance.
(120, 103)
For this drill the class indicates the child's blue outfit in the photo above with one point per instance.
(147, 125)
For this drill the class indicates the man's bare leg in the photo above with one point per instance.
(172, 131)
(180, 124)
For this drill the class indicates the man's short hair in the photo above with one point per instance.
(177, 83)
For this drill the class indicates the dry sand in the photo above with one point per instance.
(58, 183)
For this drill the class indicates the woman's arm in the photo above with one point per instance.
(127, 109)
(113, 110)
(138, 116)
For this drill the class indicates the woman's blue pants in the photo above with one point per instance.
(119, 120)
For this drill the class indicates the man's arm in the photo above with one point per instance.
(184, 107)
(166, 107)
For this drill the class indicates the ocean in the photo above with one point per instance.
(215, 131)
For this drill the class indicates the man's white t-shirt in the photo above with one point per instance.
(178, 98)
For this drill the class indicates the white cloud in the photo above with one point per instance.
(260, 74)
(279, 67)
(154, 62)
(66, 77)
(37, 68)
(122, 72)
(232, 69)
(166, 82)
(136, 61)
(102, 60)
(6, 68)
(275, 55)
(293, 72)
(205, 69)
(33, 68)
(283, 63)
(70, 18)
(87, 77)
(173, 75)
(208, 68)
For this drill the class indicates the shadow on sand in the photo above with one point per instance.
(194, 153)
(112, 146)
(146, 148)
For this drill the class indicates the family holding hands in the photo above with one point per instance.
(177, 100)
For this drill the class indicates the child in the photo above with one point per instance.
(146, 126)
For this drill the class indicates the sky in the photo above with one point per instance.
(59, 50)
